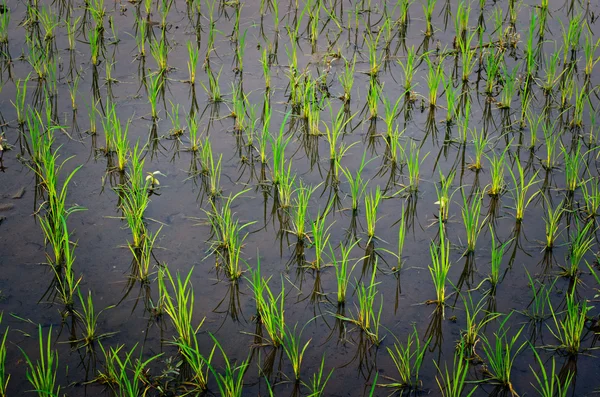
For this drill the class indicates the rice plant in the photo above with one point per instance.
(434, 78)
(231, 382)
(444, 196)
(346, 79)
(569, 331)
(319, 380)
(4, 376)
(581, 241)
(300, 210)
(42, 374)
(343, 270)
(452, 382)
(439, 268)
(372, 202)
(294, 349)
(471, 213)
(549, 383)
(501, 353)
(320, 235)
(269, 307)
(413, 164)
(213, 89)
(192, 63)
(407, 359)
(357, 184)
(89, 323)
(573, 162)
(198, 363)
(409, 68)
(480, 142)
(155, 87)
(552, 224)
(521, 190)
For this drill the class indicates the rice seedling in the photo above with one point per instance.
(131, 374)
(318, 381)
(4, 25)
(294, 349)
(372, 202)
(300, 212)
(118, 136)
(192, 62)
(266, 68)
(551, 75)
(409, 68)
(509, 86)
(198, 363)
(480, 142)
(357, 184)
(49, 21)
(589, 49)
(373, 97)
(573, 162)
(452, 95)
(89, 323)
(552, 224)
(468, 55)
(95, 40)
(581, 241)
(444, 196)
(213, 89)
(375, 59)
(342, 269)
(73, 89)
(407, 359)
(159, 50)
(155, 88)
(439, 268)
(231, 382)
(286, 187)
(471, 218)
(551, 140)
(521, 190)
(368, 316)
(20, 98)
(320, 238)
(501, 353)
(179, 306)
(591, 198)
(278, 146)
(42, 373)
(346, 79)
(269, 307)
(413, 164)
(428, 8)
(434, 79)
(549, 383)
(452, 382)
(493, 64)
(569, 331)
(477, 318)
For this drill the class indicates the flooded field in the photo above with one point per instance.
(307, 198)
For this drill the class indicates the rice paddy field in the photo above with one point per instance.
(306, 198)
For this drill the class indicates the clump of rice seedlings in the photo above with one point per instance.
(589, 49)
(591, 198)
(294, 349)
(375, 60)
(477, 317)
(130, 376)
(179, 305)
(333, 134)
(439, 268)
(266, 67)
(521, 190)
(452, 382)
(471, 217)
(549, 383)
(198, 363)
(551, 140)
(159, 49)
(407, 359)
(318, 381)
(509, 87)
(552, 224)
(143, 256)
(192, 63)
(444, 196)
(373, 96)
(581, 98)
(4, 376)
(413, 164)
(42, 373)
(480, 142)
(581, 241)
(573, 162)
(493, 62)
(20, 97)
(269, 307)
(346, 79)
(73, 89)
(452, 95)
(390, 114)
(118, 135)
(434, 78)
(541, 293)
(368, 316)
(155, 88)
(501, 353)
(468, 55)
(95, 40)
(551, 75)
(89, 321)
(286, 186)
(569, 330)
(320, 238)
(409, 67)
(428, 8)
(372, 202)
(231, 382)
(357, 184)
(342, 270)
(278, 146)
(497, 253)
(571, 38)
(300, 211)
(192, 124)
(176, 130)
(4, 24)
(213, 90)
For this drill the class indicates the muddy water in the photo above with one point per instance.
(103, 259)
